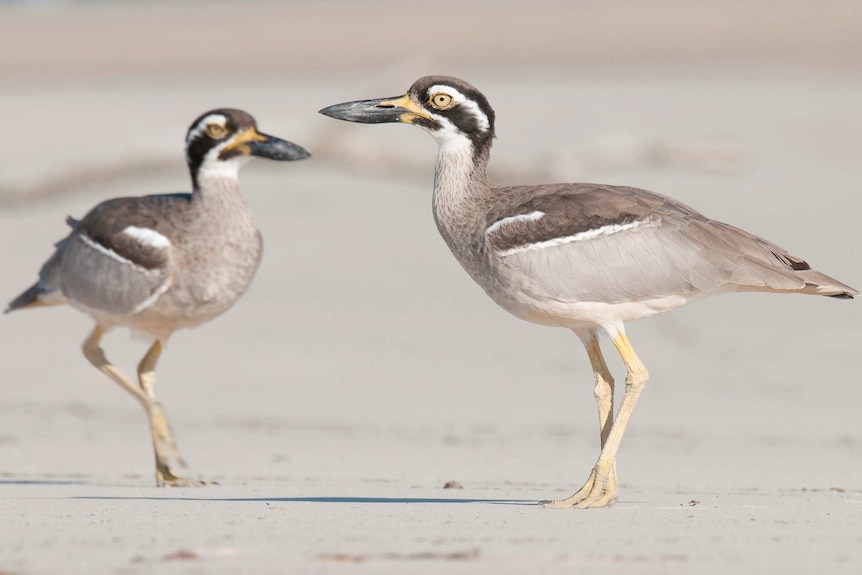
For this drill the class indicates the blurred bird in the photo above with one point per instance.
(587, 257)
(160, 263)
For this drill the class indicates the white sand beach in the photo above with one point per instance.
(363, 369)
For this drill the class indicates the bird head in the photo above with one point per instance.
(451, 110)
(220, 141)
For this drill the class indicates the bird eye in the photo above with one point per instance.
(216, 131)
(442, 101)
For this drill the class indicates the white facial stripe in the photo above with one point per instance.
(465, 103)
(152, 299)
(531, 217)
(587, 235)
(202, 125)
(102, 249)
(147, 237)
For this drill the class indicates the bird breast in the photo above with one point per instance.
(212, 273)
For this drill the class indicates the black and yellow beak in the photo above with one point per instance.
(252, 143)
(383, 110)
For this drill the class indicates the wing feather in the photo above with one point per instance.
(99, 281)
(614, 244)
(104, 267)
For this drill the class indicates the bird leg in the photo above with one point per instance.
(164, 444)
(604, 394)
(601, 487)
(159, 427)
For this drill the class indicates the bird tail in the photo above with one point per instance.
(33, 297)
(815, 282)
(821, 284)
(43, 292)
(46, 291)
(764, 266)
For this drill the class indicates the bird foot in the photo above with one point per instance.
(167, 478)
(600, 490)
(181, 482)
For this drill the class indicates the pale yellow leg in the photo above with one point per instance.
(601, 487)
(163, 443)
(163, 439)
(604, 394)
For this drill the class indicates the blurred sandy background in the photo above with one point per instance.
(364, 369)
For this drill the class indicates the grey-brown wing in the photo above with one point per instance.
(537, 214)
(92, 275)
(601, 243)
(116, 258)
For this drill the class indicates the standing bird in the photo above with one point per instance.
(587, 257)
(160, 263)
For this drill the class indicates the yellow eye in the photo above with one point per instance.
(216, 131)
(442, 101)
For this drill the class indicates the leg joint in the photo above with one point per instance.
(603, 389)
(93, 353)
(637, 378)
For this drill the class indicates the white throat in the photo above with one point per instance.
(215, 172)
(455, 164)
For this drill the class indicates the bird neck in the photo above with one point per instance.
(221, 221)
(460, 190)
(215, 178)
(216, 191)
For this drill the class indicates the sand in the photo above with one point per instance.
(364, 370)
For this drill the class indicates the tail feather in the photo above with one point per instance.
(764, 266)
(26, 299)
(821, 284)
(36, 295)
(46, 290)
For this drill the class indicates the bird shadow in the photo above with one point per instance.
(326, 499)
(41, 482)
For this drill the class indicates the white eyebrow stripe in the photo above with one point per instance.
(531, 217)
(102, 249)
(147, 237)
(465, 102)
(581, 236)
